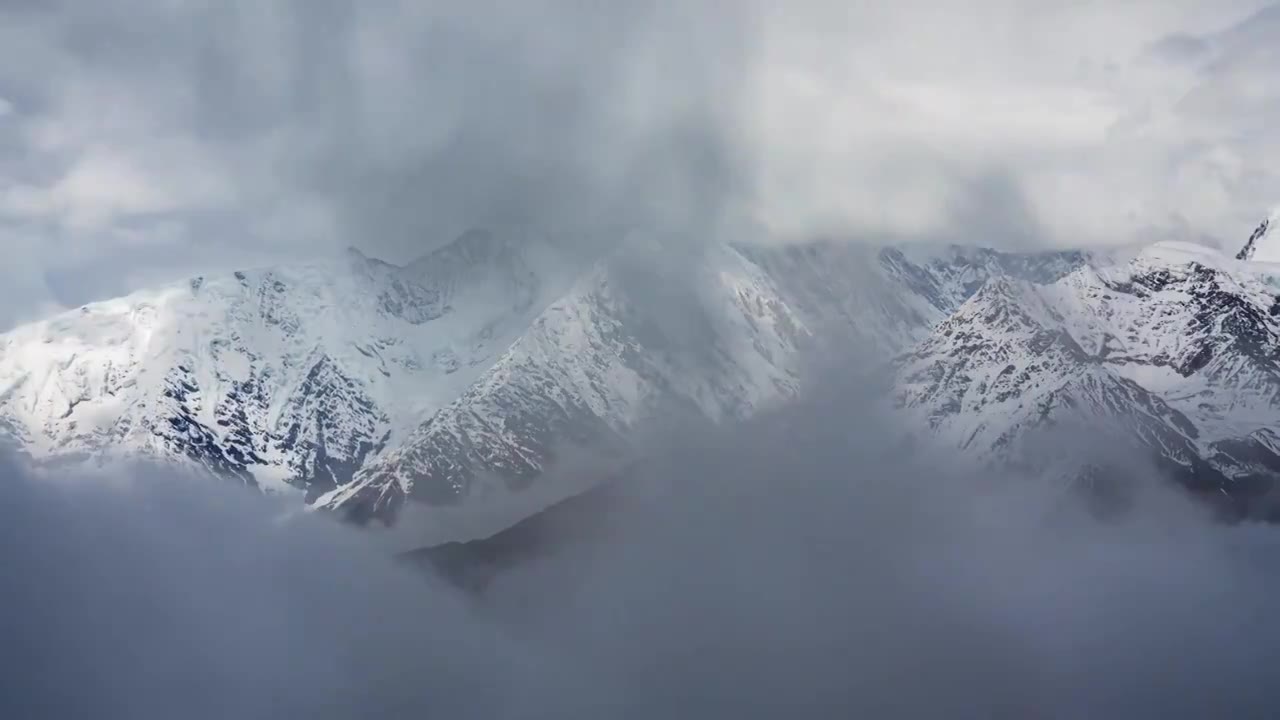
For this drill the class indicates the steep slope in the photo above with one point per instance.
(591, 368)
(287, 378)
(462, 378)
(609, 356)
(1176, 352)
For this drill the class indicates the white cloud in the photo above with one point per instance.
(880, 122)
(103, 185)
(238, 132)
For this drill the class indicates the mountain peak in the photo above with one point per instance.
(1264, 244)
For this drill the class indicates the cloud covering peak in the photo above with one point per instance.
(160, 139)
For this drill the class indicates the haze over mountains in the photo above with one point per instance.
(493, 373)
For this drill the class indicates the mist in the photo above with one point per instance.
(799, 564)
(159, 595)
(807, 564)
(155, 141)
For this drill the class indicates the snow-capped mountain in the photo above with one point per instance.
(1175, 351)
(614, 353)
(461, 379)
(288, 378)
(464, 376)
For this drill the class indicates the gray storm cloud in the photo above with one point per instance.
(161, 139)
(198, 130)
(800, 565)
(160, 596)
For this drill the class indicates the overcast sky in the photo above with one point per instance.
(144, 140)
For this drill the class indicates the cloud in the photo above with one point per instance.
(888, 131)
(803, 565)
(104, 187)
(156, 595)
(238, 133)
(799, 565)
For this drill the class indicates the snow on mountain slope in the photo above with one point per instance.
(891, 297)
(287, 378)
(592, 367)
(612, 354)
(461, 378)
(1177, 350)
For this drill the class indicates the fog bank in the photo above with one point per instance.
(800, 565)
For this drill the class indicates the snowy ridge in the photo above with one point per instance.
(611, 355)
(469, 377)
(591, 368)
(893, 296)
(461, 378)
(286, 378)
(1176, 352)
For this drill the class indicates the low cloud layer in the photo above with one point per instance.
(798, 565)
(803, 566)
(159, 596)
(142, 141)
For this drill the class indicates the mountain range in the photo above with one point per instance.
(459, 381)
